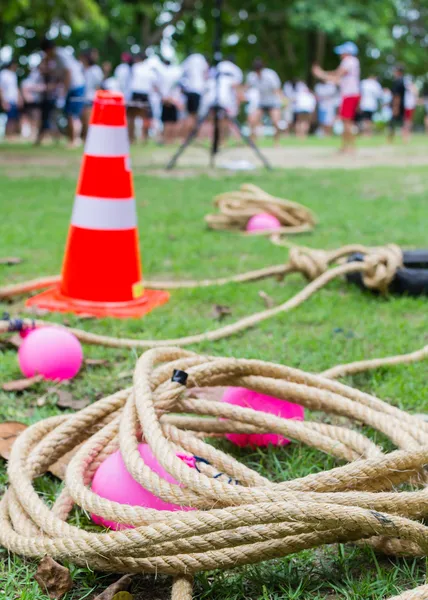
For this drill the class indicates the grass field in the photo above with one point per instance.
(341, 324)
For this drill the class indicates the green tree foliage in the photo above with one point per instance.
(289, 34)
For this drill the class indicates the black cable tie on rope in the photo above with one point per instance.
(16, 325)
(179, 376)
(200, 459)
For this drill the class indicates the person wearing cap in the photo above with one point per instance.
(347, 76)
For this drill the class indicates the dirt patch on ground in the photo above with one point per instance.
(195, 160)
(292, 158)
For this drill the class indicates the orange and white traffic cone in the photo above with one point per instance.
(101, 273)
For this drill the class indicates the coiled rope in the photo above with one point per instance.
(378, 270)
(237, 207)
(241, 517)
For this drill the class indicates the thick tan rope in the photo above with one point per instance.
(378, 269)
(237, 207)
(240, 517)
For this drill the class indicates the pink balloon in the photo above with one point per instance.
(113, 482)
(250, 399)
(52, 352)
(263, 222)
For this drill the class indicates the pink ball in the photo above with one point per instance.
(52, 352)
(250, 399)
(113, 482)
(263, 222)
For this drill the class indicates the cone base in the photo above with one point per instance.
(54, 301)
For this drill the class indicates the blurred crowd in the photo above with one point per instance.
(165, 100)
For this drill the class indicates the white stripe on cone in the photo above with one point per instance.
(104, 213)
(106, 140)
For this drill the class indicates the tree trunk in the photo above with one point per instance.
(144, 32)
(320, 47)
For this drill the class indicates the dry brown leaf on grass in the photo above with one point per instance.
(220, 311)
(54, 579)
(66, 400)
(10, 260)
(122, 585)
(9, 431)
(60, 466)
(19, 385)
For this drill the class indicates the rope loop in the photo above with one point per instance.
(311, 263)
(239, 518)
(381, 265)
(237, 207)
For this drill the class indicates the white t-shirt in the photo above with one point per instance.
(9, 86)
(123, 75)
(111, 84)
(93, 79)
(32, 86)
(304, 99)
(350, 81)
(326, 94)
(268, 83)
(229, 76)
(195, 70)
(371, 94)
(143, 78)
(67, 62)
(410, 97)
(168, 80)
(252, 95)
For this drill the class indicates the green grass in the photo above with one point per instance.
(340, 324)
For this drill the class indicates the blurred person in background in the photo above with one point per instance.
(410, 102)
(11, 99)
(122, 74)
(223, 89)
(144, 79)
(347, 76)
(371, 96)
(48, 100)
(304, 107)
(194, 80)
(289, 92)
(424, 102)
(268, 84)
(398, 92)
(109, 82)
(70, 75)
(31, 89)
(386, 105)
(172, 99)
(327, 96)
(93, 79)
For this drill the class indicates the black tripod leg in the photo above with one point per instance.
(186, 142)
(250, 143)
(215, 144)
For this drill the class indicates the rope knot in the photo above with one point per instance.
(381, 265)
(311, 263)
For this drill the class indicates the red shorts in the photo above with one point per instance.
(408, 114)
(348, 107)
